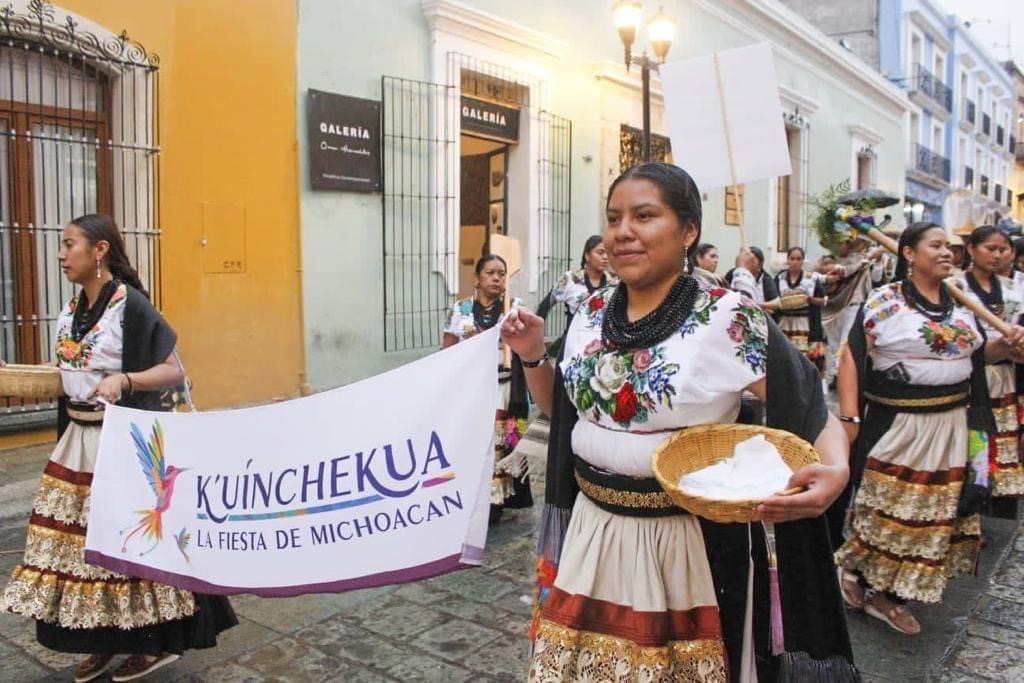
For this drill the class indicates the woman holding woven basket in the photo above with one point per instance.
(630, 586)
(801, 296)
(912, 393)
(111, 346)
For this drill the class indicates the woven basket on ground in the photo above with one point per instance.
(30, 381)
(695, 448)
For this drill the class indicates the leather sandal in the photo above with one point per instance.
(93, 667)
(138, 666)
(891, 615)
(851, 590)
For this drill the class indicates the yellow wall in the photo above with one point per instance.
(227, 132)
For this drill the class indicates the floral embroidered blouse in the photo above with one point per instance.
(914, 348)
(462, 325)
(572, 290)
(85, 363)
(630, 400)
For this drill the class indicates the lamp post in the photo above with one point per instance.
(661, 30)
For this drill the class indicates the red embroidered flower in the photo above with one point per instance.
(596, 303)
(625, 404)
(717, 291)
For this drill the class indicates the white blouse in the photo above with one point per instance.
(919, 350)
(806, 285)
(629, 401)
(85, 363)
(571, 289)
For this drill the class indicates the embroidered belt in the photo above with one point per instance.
(935, 401)
(87, 414)
(624, 495)
(909, 398)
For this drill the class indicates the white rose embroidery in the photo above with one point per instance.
(609, 376)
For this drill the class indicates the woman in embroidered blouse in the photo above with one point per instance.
(577, 285)
(111, 345)
(990, 251)
(510, 485)
(799, 315)
(704, 264)
(913, 373)
(631, 587)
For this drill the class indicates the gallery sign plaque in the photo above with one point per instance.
(490, 120)
(344, 142)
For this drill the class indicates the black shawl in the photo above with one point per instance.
(813, 617)
(148, 341)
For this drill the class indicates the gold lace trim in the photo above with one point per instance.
(908, 579)
(629, 499)
(1006, 450)
(62, 501)
(930, 542)
(62, 552)
(963, 557)
(916, 402)
(93, 604)
(1006, 419)
(912, 502)
(565, 654)
(1008, 481)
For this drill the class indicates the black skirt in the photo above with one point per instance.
(213, 615)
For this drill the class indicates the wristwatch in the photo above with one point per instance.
(850, 418)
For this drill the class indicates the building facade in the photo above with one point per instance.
(959, 152)
(1017, 141)
(178, 118)
(380, 270)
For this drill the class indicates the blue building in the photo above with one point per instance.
(959, 154)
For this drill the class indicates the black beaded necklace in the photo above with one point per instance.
(86, 316)
(934, 312)
(656, 326)
(793, 285)
(993, 300)
(485, 316)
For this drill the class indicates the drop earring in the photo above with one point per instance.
(99, 273)
(910, 269)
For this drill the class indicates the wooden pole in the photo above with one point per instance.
(728, 150)
(962, 298)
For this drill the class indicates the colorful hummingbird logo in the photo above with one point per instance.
(161, 477)
(182, 538)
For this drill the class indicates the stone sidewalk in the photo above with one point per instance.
(471, 625)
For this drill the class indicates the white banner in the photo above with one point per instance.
(724, 117)
(383, 481)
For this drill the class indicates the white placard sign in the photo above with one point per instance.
(382, 481)
(734, 106)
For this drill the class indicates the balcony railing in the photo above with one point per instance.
(1018, 151)
(986, 124)
(931, 163)
(984, 185)
(967, 112)
(934, 88)
(999, 193)
(968, 177)
(1000, 136)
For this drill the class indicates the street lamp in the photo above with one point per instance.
(661, 30)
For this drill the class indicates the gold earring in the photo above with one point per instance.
(99, 273)
(910, 269)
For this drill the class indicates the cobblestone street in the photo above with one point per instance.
(471, 625)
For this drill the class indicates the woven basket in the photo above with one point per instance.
(30, 381)
(792, 301)
(695, 448)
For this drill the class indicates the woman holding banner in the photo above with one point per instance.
(111, 346)
(630, 586)
(912, 394)
(510, 486)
